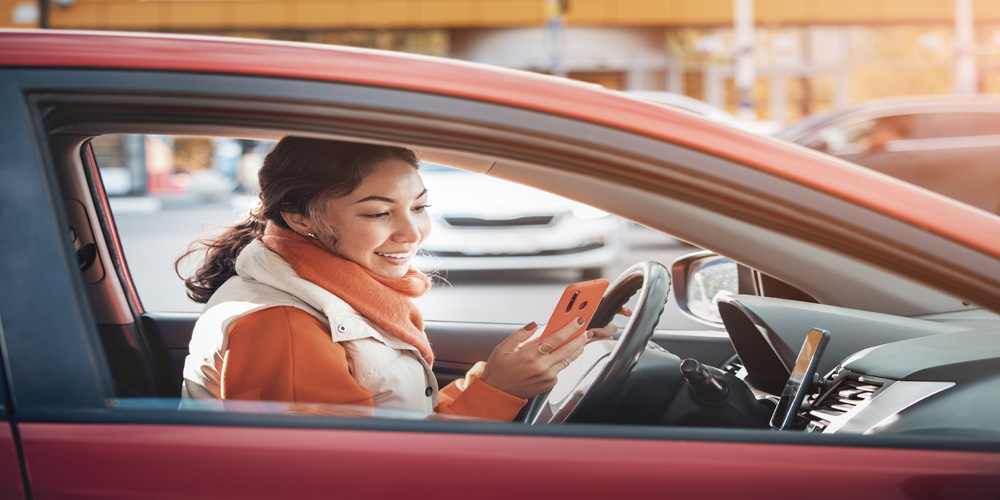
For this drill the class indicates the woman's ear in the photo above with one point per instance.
(298, 222)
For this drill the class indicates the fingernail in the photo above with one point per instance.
(531, 326)
(580, 320)
(590, 334)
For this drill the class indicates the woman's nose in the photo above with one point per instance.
(408, 230)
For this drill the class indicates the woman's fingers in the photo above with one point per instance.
(608, 331)
(518, 337)
(525, 366)
(569, 351)
(604, 333)
(568, 354)
(560, 336)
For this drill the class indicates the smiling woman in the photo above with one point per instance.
(379, 225)
(326, 255)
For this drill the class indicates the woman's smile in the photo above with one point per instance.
(397, 258)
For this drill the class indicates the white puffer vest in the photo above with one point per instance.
(393, 370)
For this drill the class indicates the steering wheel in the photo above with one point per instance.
(596, 377)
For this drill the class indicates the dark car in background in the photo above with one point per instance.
(948, 144)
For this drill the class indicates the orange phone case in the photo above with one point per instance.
(579, 299)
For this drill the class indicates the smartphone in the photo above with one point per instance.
(579, 299)
(801, 380)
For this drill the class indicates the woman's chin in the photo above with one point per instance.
(391, 272)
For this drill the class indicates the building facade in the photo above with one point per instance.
(807, 55)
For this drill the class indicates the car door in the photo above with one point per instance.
(85, 437)
(12, 475)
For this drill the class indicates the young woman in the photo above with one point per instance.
(309, 299)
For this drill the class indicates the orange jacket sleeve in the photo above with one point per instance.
(474, 398)
(284, 354)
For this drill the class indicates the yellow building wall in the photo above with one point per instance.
(181, 15)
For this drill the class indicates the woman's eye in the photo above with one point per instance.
(421, 208)
(380, 215)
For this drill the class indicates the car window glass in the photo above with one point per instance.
(940, 125)
(944, 130)
(841, 140)
(498, 251)
(987, 123)
(876, 135)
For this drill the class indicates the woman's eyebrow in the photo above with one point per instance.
(387, 199)
(375, 198)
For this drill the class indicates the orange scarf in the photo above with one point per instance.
(387, 302)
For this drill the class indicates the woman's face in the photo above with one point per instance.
(381, 224)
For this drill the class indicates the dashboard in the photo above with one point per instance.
(880, 373)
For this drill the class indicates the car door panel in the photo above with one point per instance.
(128, 461)
(11, 479)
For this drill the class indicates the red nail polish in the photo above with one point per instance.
(531, 326)
(590, 334)
(580, 321)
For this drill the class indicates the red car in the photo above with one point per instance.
(899, 401)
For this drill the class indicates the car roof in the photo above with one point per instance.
(146, 51)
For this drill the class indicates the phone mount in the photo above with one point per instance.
(801, 380)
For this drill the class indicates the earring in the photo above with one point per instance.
(313, 236)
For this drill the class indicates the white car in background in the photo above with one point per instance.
(484, 223)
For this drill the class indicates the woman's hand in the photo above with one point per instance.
(607, 331)
(532, 368)
(524, 367)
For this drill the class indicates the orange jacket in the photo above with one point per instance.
(284, 354)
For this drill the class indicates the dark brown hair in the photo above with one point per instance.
(298, 176)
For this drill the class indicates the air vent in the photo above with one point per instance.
(848, 392)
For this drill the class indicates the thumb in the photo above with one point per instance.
(520, 335)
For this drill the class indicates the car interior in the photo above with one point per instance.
(765, 324)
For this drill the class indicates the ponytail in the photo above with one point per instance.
(220, 258)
